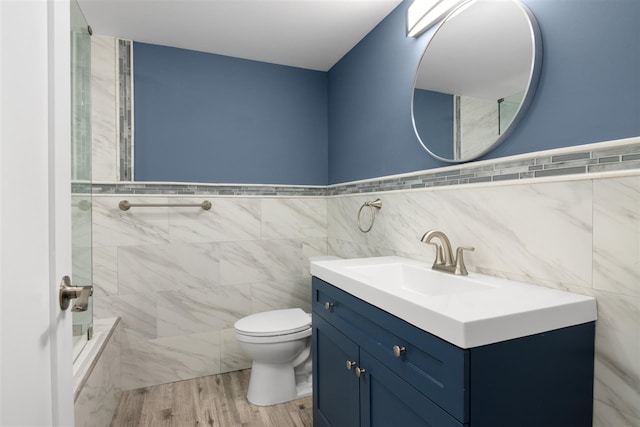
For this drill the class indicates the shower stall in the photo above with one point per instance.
(82, 273)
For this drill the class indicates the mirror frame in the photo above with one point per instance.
(534, 77)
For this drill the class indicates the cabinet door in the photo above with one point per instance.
(387, 400)
(335, 388)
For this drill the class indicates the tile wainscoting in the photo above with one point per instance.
(578, 235)
(180, 277)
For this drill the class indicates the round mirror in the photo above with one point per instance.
(476, 78)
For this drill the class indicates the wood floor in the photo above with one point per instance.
(216, 401)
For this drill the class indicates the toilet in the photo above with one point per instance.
(279, 343)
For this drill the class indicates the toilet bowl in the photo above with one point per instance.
(279, 343)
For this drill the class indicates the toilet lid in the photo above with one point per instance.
(276, 322)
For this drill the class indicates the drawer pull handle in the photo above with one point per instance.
(398, 351)
(350, 364)
(360, 372)
(328, 306)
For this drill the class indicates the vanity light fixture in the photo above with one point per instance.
(423, 14)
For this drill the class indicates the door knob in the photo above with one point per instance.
(68, 292)
(360, 372)
(350, 364)
(328, 306)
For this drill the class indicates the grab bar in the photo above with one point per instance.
(125, 205)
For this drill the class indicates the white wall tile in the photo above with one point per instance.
(155, 268)
(406, 217)
(342, 217)
(279, 294)
(165, 360)
(137, 226)
(232, 356)
(103, 109)
(617, 370)
(260, 260)
(137, 312)
(348, 249)
(608, 416)
(191, 311)
(229, 219)
(616, 235)
(573, 235)
(294, 218)
(312, 247)
(105, 271)
(541, 231)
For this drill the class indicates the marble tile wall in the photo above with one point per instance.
(98, 398)
(104, 86)
(580, 235)
(180, 277)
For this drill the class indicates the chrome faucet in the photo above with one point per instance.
(444, 256)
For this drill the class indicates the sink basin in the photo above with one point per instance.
(467, 311)
(418, 279)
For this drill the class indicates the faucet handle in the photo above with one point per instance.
(461, 269)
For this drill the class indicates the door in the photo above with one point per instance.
(35, 203)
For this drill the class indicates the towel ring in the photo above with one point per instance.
(375, 205)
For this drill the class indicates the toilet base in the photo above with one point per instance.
(273, 384)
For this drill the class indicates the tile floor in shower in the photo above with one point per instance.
(215, 401)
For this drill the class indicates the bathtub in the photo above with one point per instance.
(96, 376)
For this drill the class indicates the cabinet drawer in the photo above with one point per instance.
(433, 366)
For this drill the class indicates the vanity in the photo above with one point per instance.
(398, 344)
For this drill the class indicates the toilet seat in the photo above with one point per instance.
(274, 323)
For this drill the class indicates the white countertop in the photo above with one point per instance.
(467, 311)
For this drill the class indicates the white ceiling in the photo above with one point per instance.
(311, 34)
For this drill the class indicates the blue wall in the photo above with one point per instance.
(215, 119)
(589, 89)
(209, 118)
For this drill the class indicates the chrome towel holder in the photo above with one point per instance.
(375, 206)
(125, 205)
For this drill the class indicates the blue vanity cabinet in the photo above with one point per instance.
(540, 380)
(374, 396)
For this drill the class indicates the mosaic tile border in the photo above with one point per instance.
(207, 189)
(125, 110)
(586, 159)
(582, 160)
(81, 187)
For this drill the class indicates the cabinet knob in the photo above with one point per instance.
(328, 306)
(360, 372)
(350, 364)
(398, 351)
